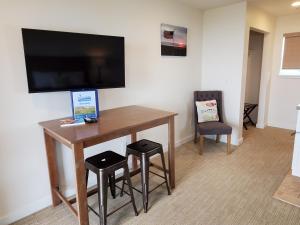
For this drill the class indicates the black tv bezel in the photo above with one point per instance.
(46, 90)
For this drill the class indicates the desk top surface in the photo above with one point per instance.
(110, 122)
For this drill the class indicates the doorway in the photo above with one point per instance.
(253, 78)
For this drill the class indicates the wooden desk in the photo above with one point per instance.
(112, 124)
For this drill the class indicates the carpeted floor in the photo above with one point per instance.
(212, 189)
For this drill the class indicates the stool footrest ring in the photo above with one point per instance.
(112, 212)
(148, 191)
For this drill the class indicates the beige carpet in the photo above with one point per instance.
(212, 189)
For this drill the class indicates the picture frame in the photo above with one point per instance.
(85, 104)
(173, 40)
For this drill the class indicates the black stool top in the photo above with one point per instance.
(144, 146)
(105, 159)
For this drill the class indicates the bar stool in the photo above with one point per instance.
(104, 166)
(144, 149)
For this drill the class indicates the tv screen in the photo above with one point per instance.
(62, 61)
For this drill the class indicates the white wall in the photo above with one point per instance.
(223, 52)
(265, 23)
(285, 94)
(163, 82)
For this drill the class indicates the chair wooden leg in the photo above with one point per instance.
(218, 138)
(228, 144)
(201, 144)
(195, 138)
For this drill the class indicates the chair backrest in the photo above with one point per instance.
(206, 96)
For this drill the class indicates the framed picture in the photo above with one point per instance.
(173, 40)
(85, 104)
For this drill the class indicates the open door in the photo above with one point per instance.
(253, 78)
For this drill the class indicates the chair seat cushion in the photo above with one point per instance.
(213, 127)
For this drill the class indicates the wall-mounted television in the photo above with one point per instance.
(63, 61)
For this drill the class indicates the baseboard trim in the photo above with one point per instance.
(184, 140)
(26, 211)
(240, 141)
(46, 201)
(281, 126)
(260, 125)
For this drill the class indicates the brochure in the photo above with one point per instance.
(71, 122)
(84, 104)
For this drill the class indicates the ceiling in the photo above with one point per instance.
(208, 4)
(275, 7)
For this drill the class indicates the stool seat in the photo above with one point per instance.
(143, 150)
(105, 159)
(144, 146)
(104, 165)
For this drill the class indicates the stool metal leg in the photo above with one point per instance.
(124, 178)
(86, 176)
(112, 184)
(123, 184)
(165, 173)
(102, 197)
(145, 180)
(127, 175)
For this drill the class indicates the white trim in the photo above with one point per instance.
(260, 125)
(25, 210)
(282, 52)
(46, 201)
(290, 72)
(240, 141)
(184, 140)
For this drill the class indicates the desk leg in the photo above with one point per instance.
(81, 192)
(52, 168)
(134, 158)
(171, 152)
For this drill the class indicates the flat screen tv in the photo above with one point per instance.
(62, 61)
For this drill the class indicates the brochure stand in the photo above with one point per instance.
(85, 104)
(84, 108)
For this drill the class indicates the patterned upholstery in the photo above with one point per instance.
(210, 128)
